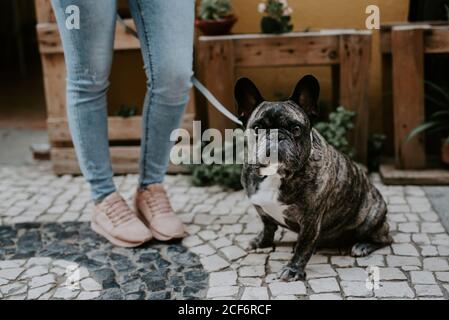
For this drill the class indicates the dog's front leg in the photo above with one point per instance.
(303, 250)
(265, 238)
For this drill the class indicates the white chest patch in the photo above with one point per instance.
(267, 198)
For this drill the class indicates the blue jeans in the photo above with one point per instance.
(165, 29)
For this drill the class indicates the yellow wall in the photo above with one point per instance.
(321, 14)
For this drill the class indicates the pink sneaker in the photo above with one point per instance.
(155, 210)
(113, 219)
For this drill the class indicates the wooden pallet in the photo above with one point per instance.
(346, 51)
(404, 46)
(122, 131)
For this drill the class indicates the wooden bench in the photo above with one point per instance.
(347, 52)
(124, 133)
(403, 47)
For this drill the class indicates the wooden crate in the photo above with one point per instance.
(124, 133)
(403, 47)
(347, 52)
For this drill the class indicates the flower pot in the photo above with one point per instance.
(445, 151)
(216, 27)
(271, 25)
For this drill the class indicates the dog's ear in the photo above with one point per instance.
(247, 98)
(306, 95)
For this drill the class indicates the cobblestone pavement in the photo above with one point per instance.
(47, 250)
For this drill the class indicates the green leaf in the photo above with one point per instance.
(419, 129)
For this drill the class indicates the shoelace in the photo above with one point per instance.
(118, 212)
(158, 202)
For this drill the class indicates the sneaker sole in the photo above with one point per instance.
(98, 229)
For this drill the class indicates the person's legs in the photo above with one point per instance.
(88, 56)
(165, 29)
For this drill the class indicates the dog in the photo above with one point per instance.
(313, 190)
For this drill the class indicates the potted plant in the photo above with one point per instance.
(277, 16)
(215, 17)
(438, 121)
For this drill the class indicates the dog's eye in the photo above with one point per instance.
(256, 129)
(296, 130)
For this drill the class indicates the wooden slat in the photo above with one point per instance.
(355, 58)
(54, 84)
(44, 11)
(120, 129)
(393, 176)
(408, 96)
(217, 73)
(387, 104)
(123, 159)
(311, 50)
(50, 42)
(436, 39)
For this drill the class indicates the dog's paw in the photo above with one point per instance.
(259, 243)
(361, 249)
(291, 273)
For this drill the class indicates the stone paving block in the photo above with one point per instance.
(286, 297)
(214, 263)
(207, 235)
(356, 289)
(409, 227)
(400, 261)
(287, 288)
(223, 278)
(352, 274)
(371, 260)
(318, 259)
(319, 271)
(252, 271)
(42, 280)
(203, 250)
(233, 252)
(255, 293)
(442, 276)
(221, 242)
(394, 289)
(428, 290)
(35, 293)
(391, 274)
(325, 296)
(255, 259)
(343, 261)
(436, 264)
(250, 282)
(11, 273)
(191, 241)
(12, 263)
(443, 250)
(422, 277)
(14, 288)
(223, 291)
(429, 216)
(432, 227)
(402, 237)
(404, 249)
(324, 285)
(429, 251)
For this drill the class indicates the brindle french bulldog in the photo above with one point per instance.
(315, 191)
